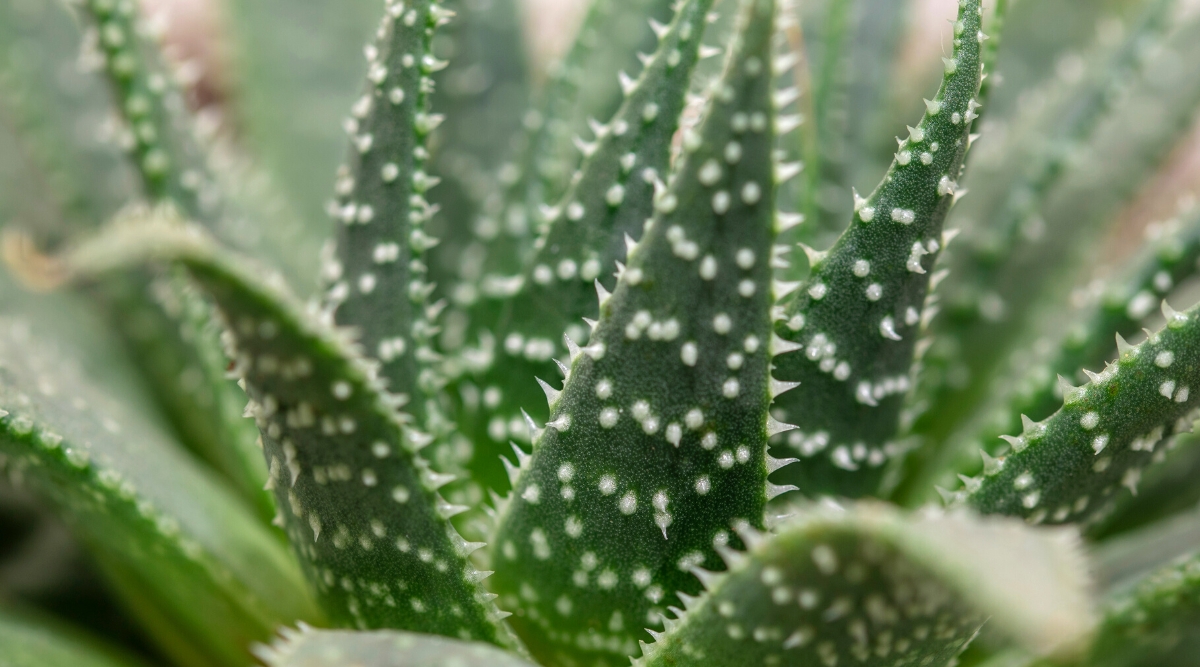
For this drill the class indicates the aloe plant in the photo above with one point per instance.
(562, 388)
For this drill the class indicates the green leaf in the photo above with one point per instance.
(188, 557)
(1072, 466)
(874, 587)
(1154, 622)
(657, 442)
(584, 86)
(377, 279)
(1039, 198)
(610, 200)
(33, 642)
(359, 504)
(380, 648)
(60, 173)
(855, 322)
(163, 149)
(1031, 388)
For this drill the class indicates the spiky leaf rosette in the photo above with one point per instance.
(657, 441)
(381, 648)
(610, 199)
(855, 321)
(377, 279)
(874, 587)
(358, 502)
(189, 558)
(32, 642)
(1069, 467)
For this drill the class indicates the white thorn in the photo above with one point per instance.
(630, 245)
(786, 171)
(707, 579)
(602, 294)
(815, 257)
(783, 288)
(778, 387)
(572, 348)
(776, 490)
(659, 29)
(774, 464)
(552, 394)
(782, 345)
(785, 221)
(627, 84)
(775, 426)
(785, 124)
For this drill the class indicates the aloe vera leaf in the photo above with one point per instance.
(852, 46)
(1040, 263)
(61, 172)
(292, 82)
(357, 500)
(643, 466)
(583, 86)
(483, 94)
(872, 586)
(854, 323)
(1032, 390)
(161, 143)
(377, 279)
(1154, 621)
(1167, 488)
(30, 641)
(187, 556)
(380, 648)
(610, 200)
(1071, 466)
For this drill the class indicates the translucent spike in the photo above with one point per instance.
(1094, 377)
(815, 257)
(959, 193)
(1017, 442)
(671, 623)
(991, 465)
(922, 347)
(776, 490)
(627, 84)
(1030, 429)
(783, 288)
(572, 349)
(783, 346)
(656, 635)
(786, 96)
(778, 387)
(707, 51)
(937, 278)
(534, 431)
(522, 457)
(732, 557)
(1123, 346)
(1174, 318)
(585, 147)
(689, 601)
(563, 368)
(659, 29)
(645, 58)
(971, 139)
(591, 323)
(513, 471)
(436, 480)
(859, 200)
(561, 424)
(599, 130)
(949, 235)
(775, 426)
(785, 221)
(1070, 392)
(749, 534)
(552, 394)
(971, 484)
(948, 497)
(707, 579)
(418, 439)
(630, 245)
(447, 510)
(602, 294)
(785, 124)
(785, 62)
(486, 597)
(774, 464)
(475, 576)
(500, 615)
(786, 171)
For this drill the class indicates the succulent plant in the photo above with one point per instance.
(579, 392)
